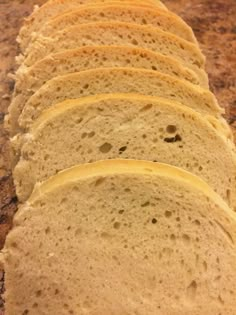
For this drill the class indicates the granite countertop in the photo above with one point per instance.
(214, 25)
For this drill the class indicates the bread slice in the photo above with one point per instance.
(132, 13)
(117, 33)
(130, 237)
(118, 80)
(29, 80)
(55, 7)
(128, 126)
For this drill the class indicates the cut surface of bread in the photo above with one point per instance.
(165, 20)
(128, 126)
(129, 237)
(53, 8)
(117, 33)
(118, 80)
(29, 80)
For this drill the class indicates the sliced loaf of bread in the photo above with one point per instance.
(117, 33)
(29, 80)
(122, 237)
(55, 7)
(128, 126)
(165, 20)
(118, 80)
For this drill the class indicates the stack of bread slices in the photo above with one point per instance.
(124, 167)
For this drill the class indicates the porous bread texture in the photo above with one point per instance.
(130, 127)
(129, 237)
(118, 80)
(53, 8)
(29, 80)
(117, 33)
(165, 20)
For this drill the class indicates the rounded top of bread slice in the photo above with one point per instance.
(116, 33)
(122, 232)
(134, 13)
(130, 126)
(118, 80)
(53, 8)
(114, 167)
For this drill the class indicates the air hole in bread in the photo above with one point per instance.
(168, 214)
(66, 306)
(121, 211)
(171, 129)
(205, 266)
(192, 291)
(46, 157)
(186, 239)
(173, 237)
(221, 301)
(127, 190)
(146, 204)
(105, 235)
(116, 225)
(25, 312)
(35, 305)
(197, 222)
(100, 181)
(14, 245)
(146, 107)
(64, 200)
(122, 149)
(134, 42)
(197, 260)
(78, 231)
(78, 120)
(144, 21)
(173, 139)
(154, 221)
(47, 230)
(38, 293)
(105, 148)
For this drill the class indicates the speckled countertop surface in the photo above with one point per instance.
(214, 24)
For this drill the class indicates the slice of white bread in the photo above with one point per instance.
(122, 237)
(128, 126)
(29, 80)
(117, 33)
(165, 20)
(118, 80)
(53, 8)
